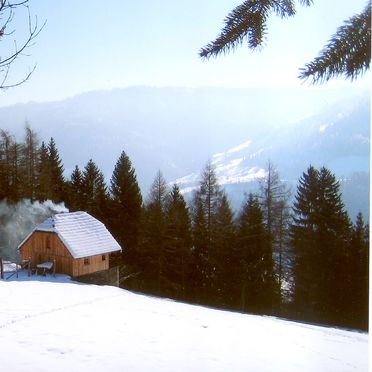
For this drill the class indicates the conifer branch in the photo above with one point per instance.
(348, 52)
(248, 21)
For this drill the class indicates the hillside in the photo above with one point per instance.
(60, 325)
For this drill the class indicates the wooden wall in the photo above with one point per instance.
(46, 246)
(95, 263)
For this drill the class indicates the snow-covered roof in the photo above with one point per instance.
(82, 234)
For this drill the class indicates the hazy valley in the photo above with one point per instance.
(177, 130)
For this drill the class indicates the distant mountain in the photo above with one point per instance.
(338, 138)
(177, 130)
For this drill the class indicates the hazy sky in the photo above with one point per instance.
(93, 44)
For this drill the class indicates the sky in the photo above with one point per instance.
(93, 45)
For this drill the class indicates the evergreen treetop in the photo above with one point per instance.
(124, 186)
(126, 207)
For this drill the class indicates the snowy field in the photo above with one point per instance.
(53, 324)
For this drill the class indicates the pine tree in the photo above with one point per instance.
(178, 244)
(126, 207)
(320, 241)
(258, 287)
(43, 180)
(200, 257)
(56, 180)
(334, 236)
(76, 190)
(223, 254)
(95, 196)
(153, 236)
(358, 275)
(16, 172)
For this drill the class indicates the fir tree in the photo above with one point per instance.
(95, 196)
(76, 190)
(126, 207)
(55, 170)
(178, 243)
(199, 274)
(153, 236)
(358, 274)
(16, 172)
(223, 254)
(258, 287)
(43, 171)
(320, 241)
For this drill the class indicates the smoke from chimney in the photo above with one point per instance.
(18, 220)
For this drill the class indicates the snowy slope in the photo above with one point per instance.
(65, 326)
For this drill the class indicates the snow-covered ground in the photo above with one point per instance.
(53, 324)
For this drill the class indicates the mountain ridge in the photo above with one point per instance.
(178, 129)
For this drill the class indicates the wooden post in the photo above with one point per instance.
(54, 268)
(29, 267)
(1, 268)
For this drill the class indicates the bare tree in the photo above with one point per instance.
(274, 195)
(30, 154)
(18, 49)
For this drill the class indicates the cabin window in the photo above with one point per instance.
(86, 261)
(103, 257)
(48, 242)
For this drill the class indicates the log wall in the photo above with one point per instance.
(93, 264)
(46, 246)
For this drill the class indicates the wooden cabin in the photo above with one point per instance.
(76, 242)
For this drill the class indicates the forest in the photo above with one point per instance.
(303, 260)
